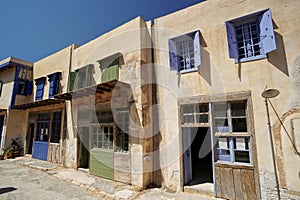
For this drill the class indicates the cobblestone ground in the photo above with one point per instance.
(19, 182)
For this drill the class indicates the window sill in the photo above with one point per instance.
(251, 59)
(187, 71)
(234, 165)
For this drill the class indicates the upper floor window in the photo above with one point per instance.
(53, 84)
(25, 84)
(84, 77)
(109, 67)
(40, 83)
(184, 52)
(251, 37)
(1, 86)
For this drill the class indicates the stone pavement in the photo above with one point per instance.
(99, 187)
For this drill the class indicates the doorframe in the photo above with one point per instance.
(222, 97)
(185, 101)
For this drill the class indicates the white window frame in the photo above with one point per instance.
(230, 136)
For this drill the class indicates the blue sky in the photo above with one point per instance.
(33, 29)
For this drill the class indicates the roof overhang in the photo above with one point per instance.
(38, 103)
(11, 62)
(92, 90)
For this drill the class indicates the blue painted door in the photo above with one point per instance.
(40, 150)
(1, 126)
(40, 145)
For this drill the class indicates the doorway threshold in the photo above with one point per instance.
(85, 170)
(203, 188)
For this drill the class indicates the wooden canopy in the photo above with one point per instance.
(98, 88)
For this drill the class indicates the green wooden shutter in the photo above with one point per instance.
(110, 73)
(72, 78)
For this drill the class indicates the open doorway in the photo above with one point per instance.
(197, 156)
(29, 138)
(83, 152)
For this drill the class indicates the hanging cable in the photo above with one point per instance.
(298, 153)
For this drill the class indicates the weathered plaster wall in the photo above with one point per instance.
(218, 73)
(129, 40)
(15, 129)
(57, 62)
(7, 77)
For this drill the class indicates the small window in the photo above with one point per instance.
(251, 37)
(102, 137)
(39, 88)
(1, 86)
(184, 52)
(55, 129)
(21, 87)
(233, 149)
(122, 137)
(83, 78)
(195, 114)
(230, 117)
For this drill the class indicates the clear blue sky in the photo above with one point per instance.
(33, 29)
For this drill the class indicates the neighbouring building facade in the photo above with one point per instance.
(15, 87)
(176, 103)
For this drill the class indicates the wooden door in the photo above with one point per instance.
(101, 153)
(40, 145)
(187, 155)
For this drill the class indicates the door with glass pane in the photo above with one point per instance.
(101, 154)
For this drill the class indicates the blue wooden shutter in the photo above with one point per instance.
(51, 85)
(231, 39)
(197, 53)
(28, 87)
(267, 36)
(173, 54)
(40, 88)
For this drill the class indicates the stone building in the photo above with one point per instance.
(15, 87)
(45, 135)
(213, 60)
(109, 106)
(176, 103)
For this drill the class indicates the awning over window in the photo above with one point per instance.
(38, 103)
(98, 88)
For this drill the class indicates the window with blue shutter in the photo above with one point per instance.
(251, 37)
(40, 83)
(53, 84)
(184, 52)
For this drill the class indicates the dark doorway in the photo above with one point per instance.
(201, 156)
(1, 126)
(29, 138)
(84, 148)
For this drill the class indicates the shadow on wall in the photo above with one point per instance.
(7, 189)
(278, 57)
(205, 68)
